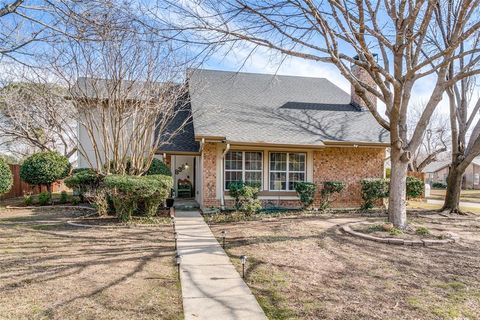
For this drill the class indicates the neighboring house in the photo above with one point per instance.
(438, 172)
(273, 130)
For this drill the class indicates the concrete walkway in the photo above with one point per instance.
(211, 287)
(462, 203)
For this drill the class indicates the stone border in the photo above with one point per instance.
(396, 241)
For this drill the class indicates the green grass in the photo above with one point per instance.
(270, 297)
(458, 303)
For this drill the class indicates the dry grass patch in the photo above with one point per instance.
(49, 270)
(305, 268)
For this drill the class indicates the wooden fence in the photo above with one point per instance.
(20, 187)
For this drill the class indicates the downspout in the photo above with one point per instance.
(202, 143)
(222, 182)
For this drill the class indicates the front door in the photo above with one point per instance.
(183, 169)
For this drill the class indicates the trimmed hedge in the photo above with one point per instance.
(6, 178)
(127, 191)
(158, 167)
(414, 188)
(44, 168)
(306, 193)
(373, 190)
(235, 190)
(329, 188)
(83, 180)
(439, 185)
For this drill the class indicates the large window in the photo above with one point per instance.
(243, 166)
(286, 169)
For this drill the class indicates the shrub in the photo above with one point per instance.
(63, 197)
(414, 188)
(439, 185)
(44, 168)
(158, 167)
(395, 232)
(250, 202)
(126, 191)
(372, 190)
(422, 231)
(99, 198)
(27, 200)
(75, 201)
(83, 181)
(44, 198)
(306, 193)
(6, 178)
(329, 188)
(235, 190)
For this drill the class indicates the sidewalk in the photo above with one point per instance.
(211, 287)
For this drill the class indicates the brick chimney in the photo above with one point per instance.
(362, 75)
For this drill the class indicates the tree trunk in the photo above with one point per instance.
(454, 187)
(397, 204)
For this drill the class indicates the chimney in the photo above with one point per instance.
(362, 75)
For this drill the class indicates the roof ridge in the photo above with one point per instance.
(256, 73)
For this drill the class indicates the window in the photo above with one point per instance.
(243, 166)
(286, 169)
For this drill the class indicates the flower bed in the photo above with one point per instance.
(414, 235)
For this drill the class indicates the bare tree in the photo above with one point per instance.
(36, 116)
(126, 87)
(435, 140)
(391, 39)
(463, 102)
(465, 123)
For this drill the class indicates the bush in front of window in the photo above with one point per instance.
(329, 188)
(306, 193)
(250, 202)
(373, 190)
(235, 190)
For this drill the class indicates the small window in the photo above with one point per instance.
(476, 179)
(243, 166)
(285, 170)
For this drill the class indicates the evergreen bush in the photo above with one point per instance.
(44, 168)
(373, 190)
(6, 178)
(306, 193)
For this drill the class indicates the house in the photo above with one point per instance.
(273, 130)
(438, 172)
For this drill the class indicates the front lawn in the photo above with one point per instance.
(306, 268)
(49, 270)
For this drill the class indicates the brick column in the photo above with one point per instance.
(209, 181)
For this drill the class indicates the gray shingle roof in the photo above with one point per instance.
(435, 166)
(261, 108)
(184, 139)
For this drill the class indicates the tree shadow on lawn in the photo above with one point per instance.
(64, 268)
(344, 276)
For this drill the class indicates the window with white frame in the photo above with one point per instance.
(243, 166)
(286, 169)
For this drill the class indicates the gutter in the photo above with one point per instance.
(202, 143)
(222, 183)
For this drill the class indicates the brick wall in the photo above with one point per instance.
(349, 165)
(209, 183)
